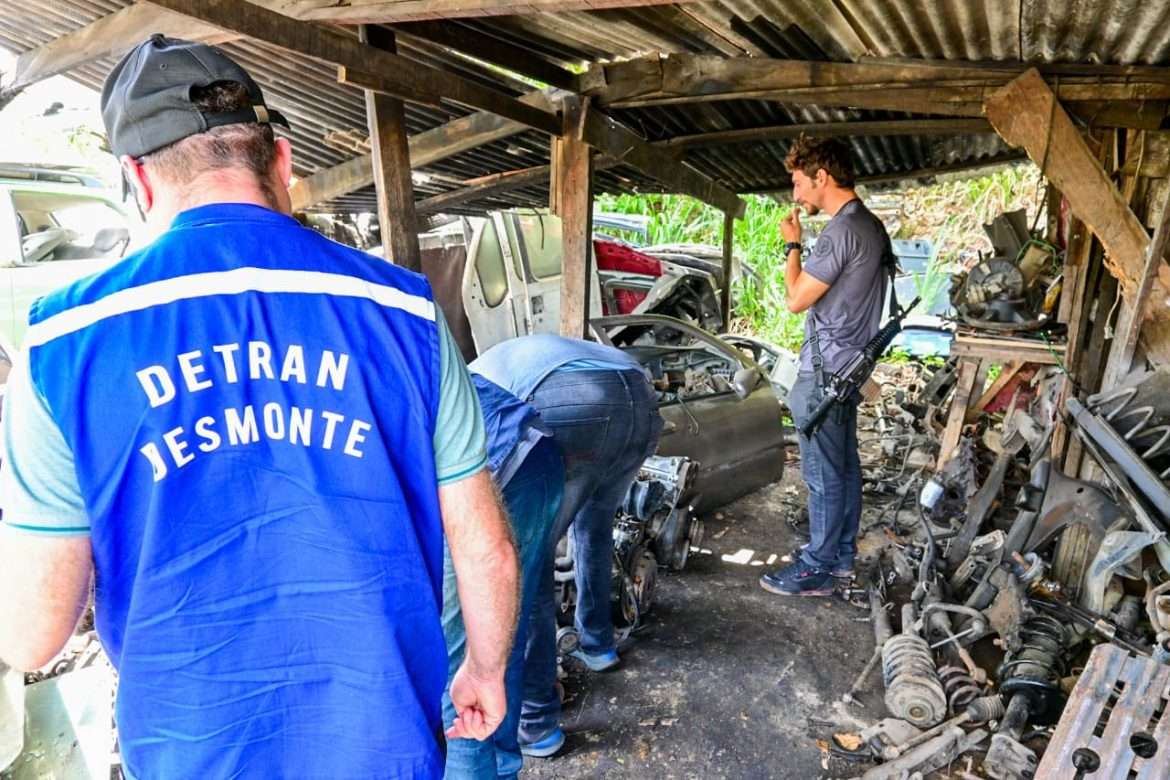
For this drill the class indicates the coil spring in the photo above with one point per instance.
(959, 686)
(913, 690)
(1149, 438)
(1039, 658)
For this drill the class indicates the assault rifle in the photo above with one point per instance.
(841, 385)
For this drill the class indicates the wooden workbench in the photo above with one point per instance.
(976, 355)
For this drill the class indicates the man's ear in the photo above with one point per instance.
(283, 162)
(143, 190)
(282, 170)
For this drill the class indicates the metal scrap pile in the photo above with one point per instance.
(1016, 288)
(1030, 630)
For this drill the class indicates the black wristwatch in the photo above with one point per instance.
(790, 245)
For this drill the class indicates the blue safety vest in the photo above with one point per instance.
(251, 409)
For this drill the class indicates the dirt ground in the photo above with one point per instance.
(726, 680)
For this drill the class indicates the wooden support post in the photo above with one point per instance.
(1072, 313)
(1052, 201)
(1129, 324)
(574, 200)
(725, 292)
(390, 152)
(969, 370)
(554, 180)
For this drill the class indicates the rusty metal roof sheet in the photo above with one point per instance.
(1087, 31)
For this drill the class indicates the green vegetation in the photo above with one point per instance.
(951, 214)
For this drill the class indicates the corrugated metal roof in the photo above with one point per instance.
(1088, 31)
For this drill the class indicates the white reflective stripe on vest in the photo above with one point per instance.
(234, 282)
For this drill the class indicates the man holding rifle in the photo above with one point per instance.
(842, 286)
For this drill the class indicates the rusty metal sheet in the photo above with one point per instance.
(67, 734)
(1118, 704)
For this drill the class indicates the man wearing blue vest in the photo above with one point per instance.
(526, 465)
(257, 440)
(604, 417)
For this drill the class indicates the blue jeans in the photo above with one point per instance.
(606, 423)
(533, 500)
(831, 467)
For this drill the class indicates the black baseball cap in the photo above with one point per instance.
(146, 100)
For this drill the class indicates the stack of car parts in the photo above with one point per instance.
(1031, 577)
(1013, 290)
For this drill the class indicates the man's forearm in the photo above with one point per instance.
(44, 584)
(792, 271)
(487, 573)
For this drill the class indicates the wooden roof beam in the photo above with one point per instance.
(984, 165)
(487, 48)
(426, 148)
(386, 11)
(931, 88)
(957, 126)
(484, 187)
(391, 74)
(615, 140)
(105, 37)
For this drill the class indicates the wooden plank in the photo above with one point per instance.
(397, 76)
(1006, 374)
(384, 11)
(999, 351)
(1025, 113)
(917, 173)
(1129, 325)
(108, 36)
(390, 150)
(728, 245)
(1153, 157)
(1072, 305)
(956, 417)
(901, 85)
(484, 187)
(485, 47)
(489, 99)
(893, 127)
(609, 137)
(977, 388)
(426, 148)
(575, 208)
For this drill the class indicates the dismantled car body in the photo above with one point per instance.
(500, 276)
(722, 439)
(724, 434)
(57, 224)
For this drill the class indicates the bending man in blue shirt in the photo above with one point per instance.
(252, 436)
(526, 465)
(604, 417)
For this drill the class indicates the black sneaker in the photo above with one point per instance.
(798, 579)
(839, 571)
